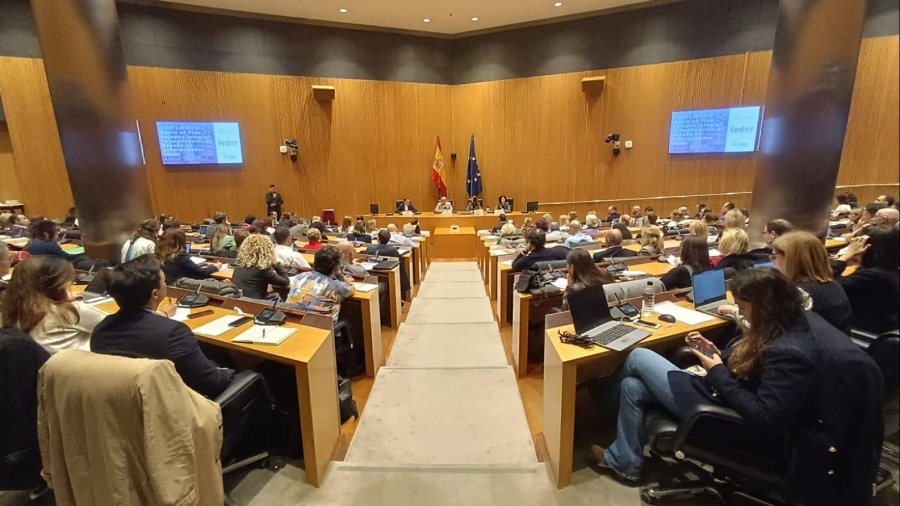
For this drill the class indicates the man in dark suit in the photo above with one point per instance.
(405, 206)
(386, 250)
(273, 201)
(614, 247)
(535, 251)
(139, 330)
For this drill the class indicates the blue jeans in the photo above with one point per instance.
(645, 384)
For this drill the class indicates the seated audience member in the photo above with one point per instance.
(548, 218)
(612, 214)
(637, 217)
(71, 219)
(694, 259)
(502, 221)
(652, 242)
(699, 228)
(347, 249)
(614, 247)
(840, 206)
(473, 204)
(287, 220)
(43, 242)
(508, 234)
(258, 227)
(582, 272)
(239, 237)
(257, 269)
(397, 238)
(222, 241)
(563, 222)
(774, 229)
(735, 219)
(316, 222)
(359, 233)
(535, 251)
(383, 248)
(220, 218)
(443, 205)
(346, 225)
(406, 206)
(412, 228)
(5, 260)
(37, 302)
(573, 215)
(802, 258)
(503, 204)
(874, 289)
(852, 200)
(142, 242)
(592, 225)
(776, 377)
(734, 247)
(314, 239)
(528, 224)
(702, 210)
(139, 330)
(284, 251)
(542, 225)
(323, 289)
(623, 225)
(886, 200)
(176, 261)
(887, 217)
(728, 206)
(650, 219)
(865, 220)
(576, 236)
(675, 220)
(298, 231)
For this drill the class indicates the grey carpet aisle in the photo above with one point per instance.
(444, 423)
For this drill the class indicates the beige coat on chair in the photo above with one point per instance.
(119, 431)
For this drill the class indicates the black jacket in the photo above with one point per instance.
(678, 277)
(614, 252)
(181, 266)
(366, 238)
(798, 395)
(145, 334)
(874, 294)
(20, 360)
(386, 250)
(830, 302)
(524, 261)
(411, 207)
(738, 262)
(254, 282)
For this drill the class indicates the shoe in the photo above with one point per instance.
(598, 455)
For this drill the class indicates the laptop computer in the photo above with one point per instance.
(96, 289)
(709, 291)
(590, 314)
(203, 229)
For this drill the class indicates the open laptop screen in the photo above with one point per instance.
(589, 308)
(709, 286)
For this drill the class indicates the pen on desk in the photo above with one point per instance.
(264, 333)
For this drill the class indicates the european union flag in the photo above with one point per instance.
(473, 175)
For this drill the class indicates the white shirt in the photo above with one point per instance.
(142, 246)
(401, 240)
(286, 256)
(442, 207)
(57, 332)
(577, 238)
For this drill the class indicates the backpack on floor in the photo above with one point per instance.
(345, 400)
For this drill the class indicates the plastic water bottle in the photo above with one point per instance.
(649, 300)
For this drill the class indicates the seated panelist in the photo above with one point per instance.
(406, 206)
(443, 206)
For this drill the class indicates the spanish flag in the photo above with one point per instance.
(437, 170)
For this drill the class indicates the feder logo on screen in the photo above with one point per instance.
(195, 143)
(732, 130)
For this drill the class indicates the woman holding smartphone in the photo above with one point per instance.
(775, 376)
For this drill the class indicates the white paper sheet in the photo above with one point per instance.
(263, 334)
(198, 260)
(181, 314)
(561, 283)
(217, 327)
(682, 314)
(368, 265)
(364, 287)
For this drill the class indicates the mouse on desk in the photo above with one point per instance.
(667, 318)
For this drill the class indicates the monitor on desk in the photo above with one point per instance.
(531, 207)
(373, 209)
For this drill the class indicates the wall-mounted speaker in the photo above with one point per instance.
(321, 92)
(593, 84)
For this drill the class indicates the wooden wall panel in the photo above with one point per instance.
(42, 177)
(9, 178)
(537, 138)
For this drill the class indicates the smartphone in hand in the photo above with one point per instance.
(701, 344)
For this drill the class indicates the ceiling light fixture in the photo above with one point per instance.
(475, 18)
(426, 20)
(343, 10)
(558, 4)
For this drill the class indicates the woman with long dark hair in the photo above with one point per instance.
(38, 303)
(694, 259)
(776, 376)
(176, 261)
(582, 272)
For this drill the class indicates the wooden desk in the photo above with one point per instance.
(454, 243)
(369, 318)
(16, 244)
(431, 221)
(19, 207)
(505, 277)
(527, 310)
(566, 365)
(494, 258)
(670, 244)
(310, 351)
(835, 244)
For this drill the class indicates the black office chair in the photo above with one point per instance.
(885, 350)
(20, 459)
(246, 407)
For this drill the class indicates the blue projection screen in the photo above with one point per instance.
(194, 143)
(732, 130)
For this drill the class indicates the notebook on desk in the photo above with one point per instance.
(262, 334)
